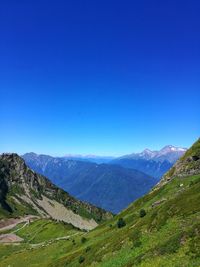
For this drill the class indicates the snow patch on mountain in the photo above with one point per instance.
(169, 153)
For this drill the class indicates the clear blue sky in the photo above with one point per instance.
(98, 77)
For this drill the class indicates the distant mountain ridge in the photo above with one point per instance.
(108, 186)
(169, 153)
(91, 158)
(154, 163)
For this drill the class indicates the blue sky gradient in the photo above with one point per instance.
(98, 77)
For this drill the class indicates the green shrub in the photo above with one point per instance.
(121, 223)
(142, 213)
(81, 259)
(171, 246)
(136, 244)
(135, 237)
(87, 249)
(83, 240)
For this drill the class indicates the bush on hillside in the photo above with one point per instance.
(83, 240)
(81, 259)
(121, 223)
(135, 238)
(142, 213)
(87, 249)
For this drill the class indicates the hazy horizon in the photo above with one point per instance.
(88, 155)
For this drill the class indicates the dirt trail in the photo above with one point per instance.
(26, 223)
(10, 238)
(49, 242)
(11, 223)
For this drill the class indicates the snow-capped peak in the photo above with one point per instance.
(147, 151)
(169, 152)
(171, 148)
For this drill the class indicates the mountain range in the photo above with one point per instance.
(153, 163)
(162, 228)
(110, 187)
(168, 153)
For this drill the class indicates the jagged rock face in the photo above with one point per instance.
(37, 195)
(187, 165)
(19, 174)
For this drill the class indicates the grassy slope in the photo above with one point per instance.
(169, 235)
(166, 236)
(40, 246)
(44, 230)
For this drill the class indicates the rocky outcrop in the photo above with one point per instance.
(187, 165)
(24, 191)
